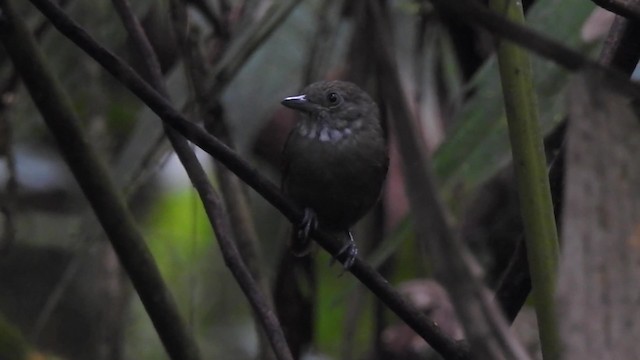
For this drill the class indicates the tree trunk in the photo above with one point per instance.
(599, 284)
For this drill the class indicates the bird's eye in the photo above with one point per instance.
(333, 98)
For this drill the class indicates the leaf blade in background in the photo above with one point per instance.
(478, 146)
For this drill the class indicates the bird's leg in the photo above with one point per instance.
(308, 224)
(350, 250)
(301, 244)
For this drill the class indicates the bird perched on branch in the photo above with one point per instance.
(335, 160)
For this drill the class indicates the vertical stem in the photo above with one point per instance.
(531, 177)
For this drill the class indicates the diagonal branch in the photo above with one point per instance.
(473, 12)
(485, 327)
(627, 8)
(240, 51)
(234, 192)
(210, 199)
(364, 272)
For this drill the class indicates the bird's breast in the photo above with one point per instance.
(339, 177)
(325, 133)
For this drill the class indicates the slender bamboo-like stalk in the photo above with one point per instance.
(531, 177)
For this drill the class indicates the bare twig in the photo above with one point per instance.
(235, 200)
(364, 272)
(621, 49)
(474, 12)
(217, 22)
(214, 121)
(210, 199)
(627, 8)
(141, 158)
(239, 50)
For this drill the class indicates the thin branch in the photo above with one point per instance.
(485, 328)
(214, 121)
(143, 46)
(627, 8)
(217, 22)
(473, 12)
(235, 199)
(363, 271)
(240, 50)
(97, 185)
(141, 158)
(621, 48)
(210, 199)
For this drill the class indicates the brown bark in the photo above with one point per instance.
(600, 270)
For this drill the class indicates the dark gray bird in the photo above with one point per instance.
(335, 160)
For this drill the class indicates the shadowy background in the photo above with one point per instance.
(60, 282)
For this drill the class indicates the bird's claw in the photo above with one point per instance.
(350, 251)
(301, 242)
(308, 224)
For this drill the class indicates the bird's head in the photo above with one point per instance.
(336, 104)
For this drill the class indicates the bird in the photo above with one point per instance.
(335, 161)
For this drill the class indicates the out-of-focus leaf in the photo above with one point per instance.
(479, 146)
(183, 245)
(12, 343)
(272, 73)
(335, 294)
(179, 232)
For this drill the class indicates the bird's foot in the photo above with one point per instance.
(308, 224)
(350, 251)
(302, 242)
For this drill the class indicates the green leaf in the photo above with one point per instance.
(478, 146)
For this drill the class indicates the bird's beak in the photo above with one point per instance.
(300, 103)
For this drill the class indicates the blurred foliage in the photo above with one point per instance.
(12, 344)
(341, 299)
(179, 232)
(479, 146)
(127, 134)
